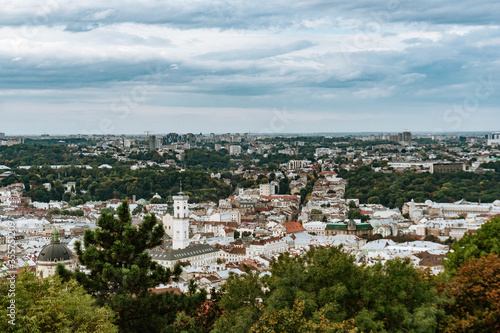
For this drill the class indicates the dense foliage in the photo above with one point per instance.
(394, 189)
(27, 155)
(50, 305)
(325, 284)
(117, 183)
(207, 160)
(475, 291)
(486, 241)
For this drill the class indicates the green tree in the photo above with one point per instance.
(138, 209)
(240, 299)
(325, 286)
(122, 272)
(51, 305)
(294, 321)
(486, 241)
(374, 200)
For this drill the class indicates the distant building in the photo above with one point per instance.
(446, 167)
(493, 139)
(297, 164)
(70, 186)
(155, 142)
(406, 137)
(235, 150)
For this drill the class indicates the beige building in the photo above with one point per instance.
(446, 167)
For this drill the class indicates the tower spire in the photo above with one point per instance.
(55, 236)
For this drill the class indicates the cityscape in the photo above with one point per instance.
(234, 205)
(223, 166)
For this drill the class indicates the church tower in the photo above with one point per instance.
(180, 221)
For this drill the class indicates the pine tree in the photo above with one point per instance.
(122, 273)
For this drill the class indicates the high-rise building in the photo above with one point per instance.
(493, 139)
(234, 150)
(155, 142)
(180, 222)
(406, 136)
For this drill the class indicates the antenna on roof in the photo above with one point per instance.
(180, 187)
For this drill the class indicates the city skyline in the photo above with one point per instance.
(265, 67)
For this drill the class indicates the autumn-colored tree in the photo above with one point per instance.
(475, 291)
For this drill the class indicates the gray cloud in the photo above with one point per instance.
(322, 57)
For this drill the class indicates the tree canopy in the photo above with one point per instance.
(122, 273)
(486, 241)
(51, 305)
(475, 291)
(326, 285)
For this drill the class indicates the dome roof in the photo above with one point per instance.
(55, 252)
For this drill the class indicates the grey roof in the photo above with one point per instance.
(55, 252)
(184, 253)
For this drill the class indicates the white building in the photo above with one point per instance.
(267, 247)
(267, 189)
(180, 222)
(315, 227)
(234, 150)
(493, 139)
(297, 164)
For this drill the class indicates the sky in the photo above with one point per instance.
(274, 66)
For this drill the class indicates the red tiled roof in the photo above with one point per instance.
(327, 173)
(238, 250)
(176, 291)
(292, 227)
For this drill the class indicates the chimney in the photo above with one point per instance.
(133, 199)
(479, 200)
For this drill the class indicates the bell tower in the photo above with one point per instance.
(180, 221)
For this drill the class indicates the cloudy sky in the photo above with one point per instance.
(127, 66)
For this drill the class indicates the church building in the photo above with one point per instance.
(53, 254)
